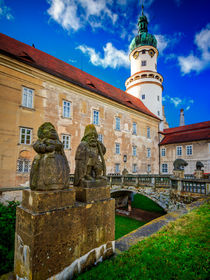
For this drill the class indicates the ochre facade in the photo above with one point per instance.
(200, 152)
(49, 94)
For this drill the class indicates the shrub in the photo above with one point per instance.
(7, 236)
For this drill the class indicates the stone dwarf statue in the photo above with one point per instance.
(50, 169)
(90, 164)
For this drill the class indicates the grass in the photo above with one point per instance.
(179, 251)
(124, 225)
(144, 203)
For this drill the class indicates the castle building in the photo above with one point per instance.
(145, 82)
(189, 142)
(36, 87)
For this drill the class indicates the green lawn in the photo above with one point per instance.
(147, 204)
(124, 225)
(179, 251)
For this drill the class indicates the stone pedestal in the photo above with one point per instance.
(178, 173)
(199, 174)
(57, 237)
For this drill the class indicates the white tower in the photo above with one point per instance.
(145, 82)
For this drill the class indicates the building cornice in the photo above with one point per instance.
(145, 82)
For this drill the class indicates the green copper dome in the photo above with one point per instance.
(143, 38)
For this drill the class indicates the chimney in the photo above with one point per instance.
(181, 123)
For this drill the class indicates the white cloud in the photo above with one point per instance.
(199, 62)
(5, 11)
(167, 41)
(178, 102)
(113, 57)
(74, 14)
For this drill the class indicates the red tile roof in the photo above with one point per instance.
(54, 66)
(186, 133)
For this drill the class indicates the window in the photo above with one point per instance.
(27, 97)
(143, 63)
(23, 166)
(143, 96)
(100, 138)
(117, 168)
(66, 141)
(164, 168)
(148, 152)
(189, 150)
(134, 128)
(134, 151)
(66, 109)
(163, 152)
(117, 148)
(158, 98)
(117, 123)
(134, 168)
(143, 52)
(179, 150)
(148, 132)
(155, 66)
(158, 113)
(148, 168)
(25, 135)
(95, 117)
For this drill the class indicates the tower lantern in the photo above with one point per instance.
(145, 82)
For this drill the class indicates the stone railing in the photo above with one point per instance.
(139, 180)
(197, 186)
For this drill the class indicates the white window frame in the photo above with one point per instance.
(117, 148)
(100, 138)
(164, 168)
(148, 132)
(134, 151)
(179, 150)
(189, 148)
(24, 164)
(163, 152)
(117, 168)
(134, 128)
(27, 97)
(143, 63)
(66, 140)
(134, 168)
(28, 132)
(149, 168)
(148, 152)
(117, 123)
(66, 109)
(96, 117)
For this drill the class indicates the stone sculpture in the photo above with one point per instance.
(90, 164)
(179, 164)
(199, 165)
(50, 169)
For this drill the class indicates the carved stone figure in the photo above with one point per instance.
(199, 165)
(90, 164)
(50, 169)
(179, 164)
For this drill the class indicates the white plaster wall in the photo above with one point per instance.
(136, 63)
(151, 92)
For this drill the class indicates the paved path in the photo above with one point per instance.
(125, 242)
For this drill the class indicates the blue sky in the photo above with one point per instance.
(94, 35)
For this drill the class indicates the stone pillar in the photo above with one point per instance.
(178, 173)
(58, 237)
(199, 174)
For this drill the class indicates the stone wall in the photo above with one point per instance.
(58, 237)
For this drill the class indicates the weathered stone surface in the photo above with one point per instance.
(91, 259)
(48, 242)
(89, 195)
(178, 173)
(39, 201)
(199, 174)
(50, 170)
(179, 164)
(90, 164)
